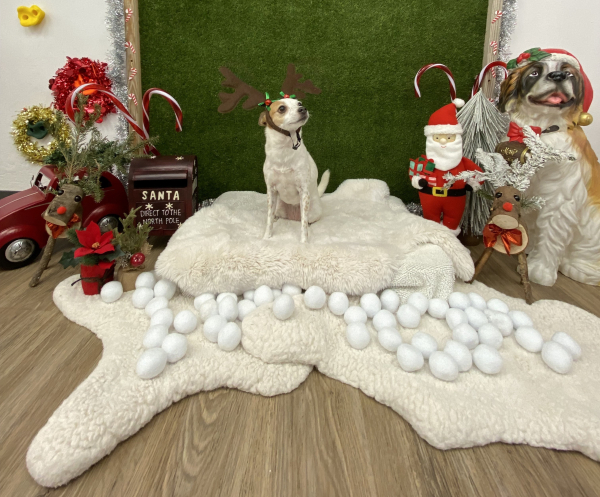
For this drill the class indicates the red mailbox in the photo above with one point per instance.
(166, 189)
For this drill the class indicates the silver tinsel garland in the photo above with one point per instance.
(509, 22)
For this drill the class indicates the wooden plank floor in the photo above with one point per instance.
(323, 439)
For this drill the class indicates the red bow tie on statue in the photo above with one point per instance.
(491, 232)
(515, 132)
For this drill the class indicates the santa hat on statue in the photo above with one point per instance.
(443, 121)
(537, 54)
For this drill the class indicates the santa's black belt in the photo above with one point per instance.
(442, 192)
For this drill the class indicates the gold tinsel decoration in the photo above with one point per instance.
(24, 143)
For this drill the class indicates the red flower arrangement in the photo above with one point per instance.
(77, 72)
(94, 242)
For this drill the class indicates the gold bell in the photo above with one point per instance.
(585, 119)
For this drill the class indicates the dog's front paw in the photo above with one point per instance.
(540, 273)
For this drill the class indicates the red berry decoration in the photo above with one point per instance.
(137, 259)
(268, 102)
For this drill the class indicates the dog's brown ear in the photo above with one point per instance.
(509, 88)
(262, 119)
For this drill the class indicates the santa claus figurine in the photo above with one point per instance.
(444, 154)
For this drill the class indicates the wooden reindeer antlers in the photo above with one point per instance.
(290, 85)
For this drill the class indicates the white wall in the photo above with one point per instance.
(573, 25)
(28, 59)
(30, 56)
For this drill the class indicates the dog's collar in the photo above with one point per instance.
(285, 132)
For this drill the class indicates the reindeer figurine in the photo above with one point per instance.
(505, 230)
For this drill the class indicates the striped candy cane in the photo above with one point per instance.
(479, 79)
(128, 14)
(133, 97)
(497, 15)
(494, 45)
(146, 106)
(130, 46)
(426, 68)
(132, 73)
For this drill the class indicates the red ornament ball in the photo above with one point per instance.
(137, 259)
(268, 102)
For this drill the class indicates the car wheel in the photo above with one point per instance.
(18, 253)
(108, 223)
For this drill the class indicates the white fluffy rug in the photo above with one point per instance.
(366, 241)
(525, 403)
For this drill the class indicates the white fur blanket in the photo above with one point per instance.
(366, 241)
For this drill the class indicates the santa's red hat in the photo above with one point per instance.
(535, 54)
(443, 121)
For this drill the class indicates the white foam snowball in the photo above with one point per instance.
(497, 305)
(371, 304)
(410, 358)
(438, 308)
(465, 334)
(291, 289)
(529, 338)
(283, 307)
(165, 288)
(459, 300)
(487, 359)
(355, 314)
(212, 326)
(111, 291)
(460, 353)
(175, 345)
(145, 280)
(426, 344)
(390, 300)
(249, 295)
(520, 318)
(338, 303)
(200, 299)
(151, 363)
(141, 297)
(185, 322)
(263, 295)
(557, 357)
(454, 317)
(276, 292)
(223, 295)
(155, 304)
(229, 337)
(162, 316)
(228, 308)
(408, 316)
(389, 338)
(443, 366)
(420, 301)
(208, 309)
(501, 321)
(154, 336)
(314, 297)
(358, 336)
(476, 317)
(477, 301)
(245, 307)
(490, 335)
(384, 319)
(568, 343)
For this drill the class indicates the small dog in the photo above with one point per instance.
(551, 93)
(290, 172)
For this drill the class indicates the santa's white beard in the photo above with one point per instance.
(444, 158)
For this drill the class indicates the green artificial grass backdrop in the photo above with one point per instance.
(364, 55)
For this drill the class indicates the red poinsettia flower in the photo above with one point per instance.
(93, 241)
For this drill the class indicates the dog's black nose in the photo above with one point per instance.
(302, 110)
(557, 75)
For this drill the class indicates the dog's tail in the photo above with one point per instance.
(324, 182)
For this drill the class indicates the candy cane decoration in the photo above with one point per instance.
(479, 79)
(70, 106)
(497, 15)
(128, 14)
(146, 105)
(130, 46)
(132, 73)
(432, 66)
(494, 45)
(133, 97)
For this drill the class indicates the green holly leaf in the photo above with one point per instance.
(111, 256)
(67, 259)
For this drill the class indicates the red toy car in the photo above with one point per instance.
(22, 229)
